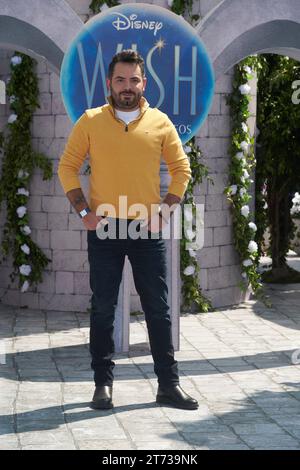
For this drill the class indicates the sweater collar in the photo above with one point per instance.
(144, 105)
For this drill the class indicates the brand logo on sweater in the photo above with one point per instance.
(180, 80)
(123, 23)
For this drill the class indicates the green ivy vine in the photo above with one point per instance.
(19, 162)
(180, 7)
(189, 266)
(99, 5)
(183, 7)
(240, 172)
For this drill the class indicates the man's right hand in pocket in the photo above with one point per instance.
(91, 220)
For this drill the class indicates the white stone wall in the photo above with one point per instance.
(58, 230)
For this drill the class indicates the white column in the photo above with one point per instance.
(122, 314)
(173, 264)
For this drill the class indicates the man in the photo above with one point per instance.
(125, 139)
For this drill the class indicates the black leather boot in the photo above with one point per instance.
(176, 397)
(102, 399)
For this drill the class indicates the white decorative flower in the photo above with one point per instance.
(248, 69)
(25, 269)
(189, 270)
(187, 148)
(12, 118)
(233, 189)
(243, 191)
(25, 248)
(12, 99)
(266, 205)
(296, 204)
(252, 226)
(25, 286)
(23, 191)
(23, 174)
(188, 215)
(245, 89)
(104, 7)
(16, 60)
(239, 156)
(244, 127)
(244, 146)
(245, 211)
(192, 253)
(197, 245)
(170, 3)
(21, 211)
(247, 262)
(294, 210)
(296, 198)
(244, 275)
(190, 234)
(245, 173)
(252, 246)
(26, 230)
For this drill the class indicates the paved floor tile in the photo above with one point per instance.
(237, 363)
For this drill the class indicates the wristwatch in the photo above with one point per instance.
(84, 212)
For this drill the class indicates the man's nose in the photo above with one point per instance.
(127, 86)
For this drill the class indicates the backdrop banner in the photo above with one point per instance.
(180, 79)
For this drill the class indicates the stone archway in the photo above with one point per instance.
(250, 28)
(35, 30)
(230, 32)
(234, 30)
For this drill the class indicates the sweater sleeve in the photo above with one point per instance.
(177, 162)
(74, 155)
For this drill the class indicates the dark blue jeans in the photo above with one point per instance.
(148, 260)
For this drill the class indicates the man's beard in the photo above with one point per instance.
(125, 103)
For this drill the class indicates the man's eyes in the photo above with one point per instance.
(134, 80)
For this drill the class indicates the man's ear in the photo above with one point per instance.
(108, 83)
(144, 83)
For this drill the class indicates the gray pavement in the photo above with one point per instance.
(237, 362)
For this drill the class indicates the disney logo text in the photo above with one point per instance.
(124, 23)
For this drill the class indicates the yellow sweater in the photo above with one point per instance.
(124, 159)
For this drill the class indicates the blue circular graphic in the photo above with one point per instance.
(180, 79)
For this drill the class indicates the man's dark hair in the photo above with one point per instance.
(127, 56)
